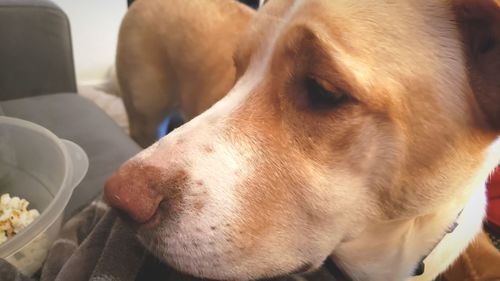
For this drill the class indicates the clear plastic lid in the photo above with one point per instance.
(38, 166)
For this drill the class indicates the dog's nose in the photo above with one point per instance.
(132, 190)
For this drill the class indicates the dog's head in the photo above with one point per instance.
(343, 114)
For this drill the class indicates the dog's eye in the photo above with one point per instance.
(319, 96)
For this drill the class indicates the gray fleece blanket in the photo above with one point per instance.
(96, 245)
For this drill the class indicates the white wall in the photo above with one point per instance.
(94, 28)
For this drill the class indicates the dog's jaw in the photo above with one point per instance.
(390, 251)
(394, 248)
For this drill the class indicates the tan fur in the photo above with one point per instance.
(168, 57)
(275, 183)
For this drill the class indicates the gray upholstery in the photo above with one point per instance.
(36, 63)
(79, 120)
(35, 52)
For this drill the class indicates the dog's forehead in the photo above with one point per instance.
(390, 35)
(388, 46)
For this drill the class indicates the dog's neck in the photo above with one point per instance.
(392, 250)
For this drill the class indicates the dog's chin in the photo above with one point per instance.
(263, 276)
(213, 267)
(231, 274)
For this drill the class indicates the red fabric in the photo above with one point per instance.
(493, 210)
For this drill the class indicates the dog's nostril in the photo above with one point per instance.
(128, 191)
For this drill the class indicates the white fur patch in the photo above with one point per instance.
(191, 243)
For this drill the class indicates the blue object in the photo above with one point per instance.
(163, 128)
(173, 120)
(252, 3)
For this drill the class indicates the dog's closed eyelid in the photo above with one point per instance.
(321, 94)
(335, 85)
(318, 62)
(325, 84)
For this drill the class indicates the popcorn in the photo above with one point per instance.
(14, 216)
(3, 237)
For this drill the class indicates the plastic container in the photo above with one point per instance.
(38, 166)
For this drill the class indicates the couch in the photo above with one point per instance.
(38, 84)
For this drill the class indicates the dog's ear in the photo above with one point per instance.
(479, 23)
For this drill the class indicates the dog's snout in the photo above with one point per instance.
(132, 189)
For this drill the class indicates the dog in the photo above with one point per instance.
(176, 54)
(356, 132)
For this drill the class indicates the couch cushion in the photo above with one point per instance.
(75, 118)
(35, 52)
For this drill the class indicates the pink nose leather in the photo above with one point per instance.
(131, 189)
